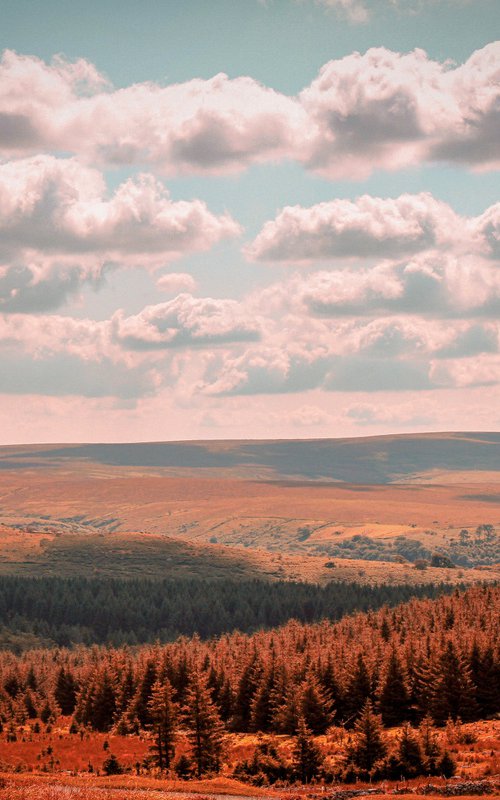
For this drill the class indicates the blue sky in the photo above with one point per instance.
(187, 303)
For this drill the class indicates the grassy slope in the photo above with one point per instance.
(198, 492)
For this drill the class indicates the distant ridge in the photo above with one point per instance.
(370, 460)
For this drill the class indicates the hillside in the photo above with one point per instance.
(371, 460)
(281, 509)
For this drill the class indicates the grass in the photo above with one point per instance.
(475, 747)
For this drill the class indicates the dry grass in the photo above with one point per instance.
(475, 747)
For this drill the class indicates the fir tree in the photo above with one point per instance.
(163, 724)
(453, 690)
(103, 704)
(315, 706)
(409, 753)
(307, 758)
(143, 694)
(358, 690)
(394, 695)
(206, 730)
(369, 746)
(65, 691)
(431, 752)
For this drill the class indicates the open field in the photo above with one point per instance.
(23, 770)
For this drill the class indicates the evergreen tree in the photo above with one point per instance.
(307, 758)
(453, 690)
(485, 674)
(163, 716)
(65, 691)
(409, 753)
(358, 690)
(394, 696)
(315, 706)
(103, 704)
(206, 730)
(369, 746)
(143, 694)
(431, 752)
(245, 693)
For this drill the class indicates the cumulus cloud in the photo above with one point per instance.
(186, 320)
(55, 355)
(38, 283)
(60, 230)
(365, 228)
(174, 282)
(482, 370)
(218, 124)
(380, 109)
(383, 109)
(60, 206)
(433, 284)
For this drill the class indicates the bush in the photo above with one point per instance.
(112, 766)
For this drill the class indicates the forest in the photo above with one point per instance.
(424, 663)
(66, 611)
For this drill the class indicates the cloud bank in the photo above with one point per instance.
(380, 109)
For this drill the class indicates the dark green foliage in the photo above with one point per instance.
(112, 766)
(394, 696)
(183, 767)
(307, 758)
(369, 746)
(446, 765)
(453, 693)
(68, 611)
(163, 714)
(358, 690)
(316, 707)
(205, 729)
(65, 691)
(409, 753)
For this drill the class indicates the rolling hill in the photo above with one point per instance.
(276, 509)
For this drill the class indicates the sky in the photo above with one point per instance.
(248, 219)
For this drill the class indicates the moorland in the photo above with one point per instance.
(328, 608)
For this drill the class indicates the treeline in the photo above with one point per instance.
(68, 611)
(426, 657)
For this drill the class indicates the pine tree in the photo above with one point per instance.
(206, 730)
(409, 753)
(394, 695)
(453, 690)
(358, 690)
(65, 691)
(163, 725)
(485, 674)
(369, 746)
(143, 695)
(315, 706)
(245, 693)
(103, 704)
(307, 758)
(431, 751)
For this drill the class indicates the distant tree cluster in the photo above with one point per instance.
(477, 547)
(66, 611)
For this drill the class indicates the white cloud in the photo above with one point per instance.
(173, 282)
(365, 228)
(381, 109)
(60, 230)
(186, 321)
